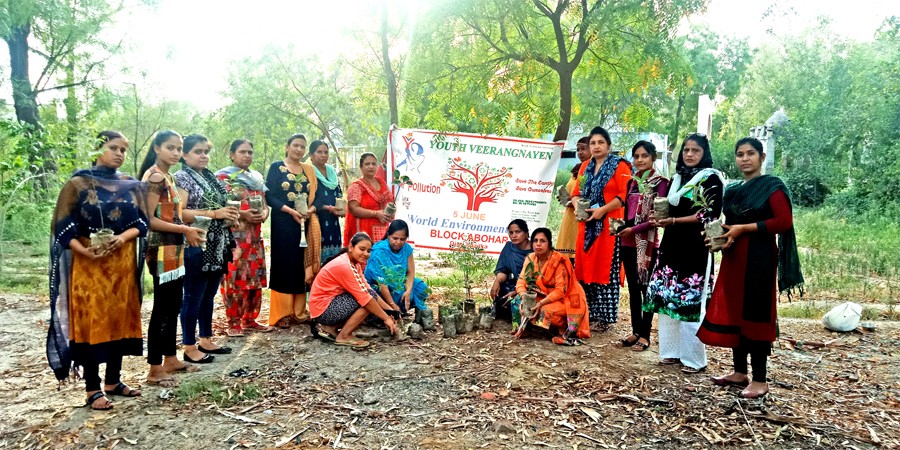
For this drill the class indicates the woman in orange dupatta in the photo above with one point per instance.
(562, 305)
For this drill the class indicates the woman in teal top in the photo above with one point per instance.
(391, 270)
(329, 190)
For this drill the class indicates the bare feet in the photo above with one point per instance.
(756, 389)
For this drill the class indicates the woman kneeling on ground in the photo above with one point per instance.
(561, 305)
(340, 299)
(392, 268)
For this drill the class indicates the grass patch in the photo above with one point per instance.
(816, 310)
(216, 391)
(848, 260)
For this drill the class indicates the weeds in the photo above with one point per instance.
(216, 391)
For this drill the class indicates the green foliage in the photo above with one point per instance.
(470, 259)
(216, 391)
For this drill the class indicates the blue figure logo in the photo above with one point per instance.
(414, 154)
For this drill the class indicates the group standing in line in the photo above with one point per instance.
(200, 231)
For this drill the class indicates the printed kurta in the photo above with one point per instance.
(371, 199)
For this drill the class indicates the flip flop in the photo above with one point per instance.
(186, 368)
(356, 344)
(120, 391)
(96, 396)
(256, 326)
(165, 382)
(234, 332)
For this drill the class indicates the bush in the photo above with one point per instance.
(806, 189)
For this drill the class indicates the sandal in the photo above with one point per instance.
(626, 343)
(97, 396)
(356, 344)
(669, 361)
(320, 333)
(691, 370)
(256, 326)
(120, 390)
(235, 332)
(163, 382)
(640, 346)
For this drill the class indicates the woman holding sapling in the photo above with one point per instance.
(367, 199)
(640, 239)
(742, 312)
(204, 197)
(96, 265)
(509, 265)
(680, 284)
(296, 239)
(568, 228)
(392, 270)
(560, 305)
(328, 195)
(340, 299)
(246, 277)
(601, 188)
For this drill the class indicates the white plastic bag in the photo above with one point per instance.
(843, 317)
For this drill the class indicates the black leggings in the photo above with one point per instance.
(163, 327)
(759, 355)
(641, 321)
(92, 372)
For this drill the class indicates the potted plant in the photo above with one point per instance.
(397, 181)
(712, 227)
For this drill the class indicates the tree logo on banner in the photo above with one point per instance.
(481, 183)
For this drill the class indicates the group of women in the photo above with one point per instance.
(199, 232)
(671, 277)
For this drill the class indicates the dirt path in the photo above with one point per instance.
(429, 394)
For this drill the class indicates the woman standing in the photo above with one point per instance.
(246, 275)
(288, 180)
(329, 190)
(640, 240)
(596, 250)
(742, 313)
(561, 304)
(366, 199)
(204, 196)
(679, 286)
(568, 228)
(340, 299)
(165, 255)
(392, 268)
(509, 265)
(95, 288)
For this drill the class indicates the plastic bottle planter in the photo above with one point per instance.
(340, 205)
(529, 299)
(390, 209)
(236, 204)
(301, 207)
(563, 195)
(256, 203)
(581, 209)
(714, 231)
(615, 226)
(202, 223)
(300, 204)
(101, 238)
(661, 208)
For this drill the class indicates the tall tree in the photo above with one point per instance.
(523, 42)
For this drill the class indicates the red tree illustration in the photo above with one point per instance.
(481, 183)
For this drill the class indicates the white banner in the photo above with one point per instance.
(468, 186)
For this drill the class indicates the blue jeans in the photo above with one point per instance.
(199, 291)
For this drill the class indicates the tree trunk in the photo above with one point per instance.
(390, 78)
(565, 104)
(24, 97)
(677, 123)
(72, 109)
